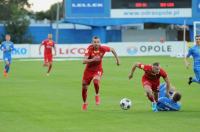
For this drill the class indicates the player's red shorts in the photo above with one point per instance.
(89, 75)
(154, 84)
(48, 58)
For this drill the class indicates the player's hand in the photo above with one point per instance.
(118, 63)
(130, 76)
(187, 65)
(97, 58)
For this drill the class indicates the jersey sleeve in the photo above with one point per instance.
(43, 42)
(189, 52)
(54, 43)
(2, 46)
(144, 67)
(12, 46)
(163, 73)
(87, 52)
(167, 104)
(106, 48)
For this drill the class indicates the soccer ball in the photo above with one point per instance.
(125, 104)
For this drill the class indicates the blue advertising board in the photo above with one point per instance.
(198, 6)
(87, 8)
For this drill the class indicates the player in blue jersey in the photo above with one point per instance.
(7, 47)
(195, 53)
(168, 103)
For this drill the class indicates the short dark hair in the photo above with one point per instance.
(156, 64)
(197, 36)
(95, 37)
(177, 97)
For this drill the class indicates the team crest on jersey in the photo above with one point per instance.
(50, 43)
(96, 51)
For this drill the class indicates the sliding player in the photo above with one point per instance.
(168, 103)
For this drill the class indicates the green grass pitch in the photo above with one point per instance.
(32, 102)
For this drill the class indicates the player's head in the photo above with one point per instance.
(197, 39)
(96, 42)
(176, 97)
(50, 36)
(156, 67)
(7, 37)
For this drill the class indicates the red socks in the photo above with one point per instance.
(96, 85)
(84, 94)
(84, 90)
(151, 98)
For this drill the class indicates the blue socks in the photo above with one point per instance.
(194, 79)
(7, 68)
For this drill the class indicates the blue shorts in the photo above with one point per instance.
(7, 59)
(197, 73)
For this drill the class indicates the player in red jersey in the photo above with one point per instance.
(151, 81)
(93, 70)
(48, 44)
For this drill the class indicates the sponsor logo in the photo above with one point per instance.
(156, 48)
(87, 5)
(198, 6)
(20, 51)
(72, 51)
(132, 50)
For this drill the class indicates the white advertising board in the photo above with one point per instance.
(122, 49)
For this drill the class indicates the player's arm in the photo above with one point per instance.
(2, 47)
(166, 79)
(187, 64)
(115, 55)
(54, 47)
(40, 48)
(12, 47)
(86, 59)
(136, 65)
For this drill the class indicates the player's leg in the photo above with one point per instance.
(149, 93)
(49, 68)
(87, 78)
(50, 62)
(45, 61)
(155, 95)
(196, 78)
(155, 88)
(148, 89)
(7, 67)
(96, 82)
(84, 95)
